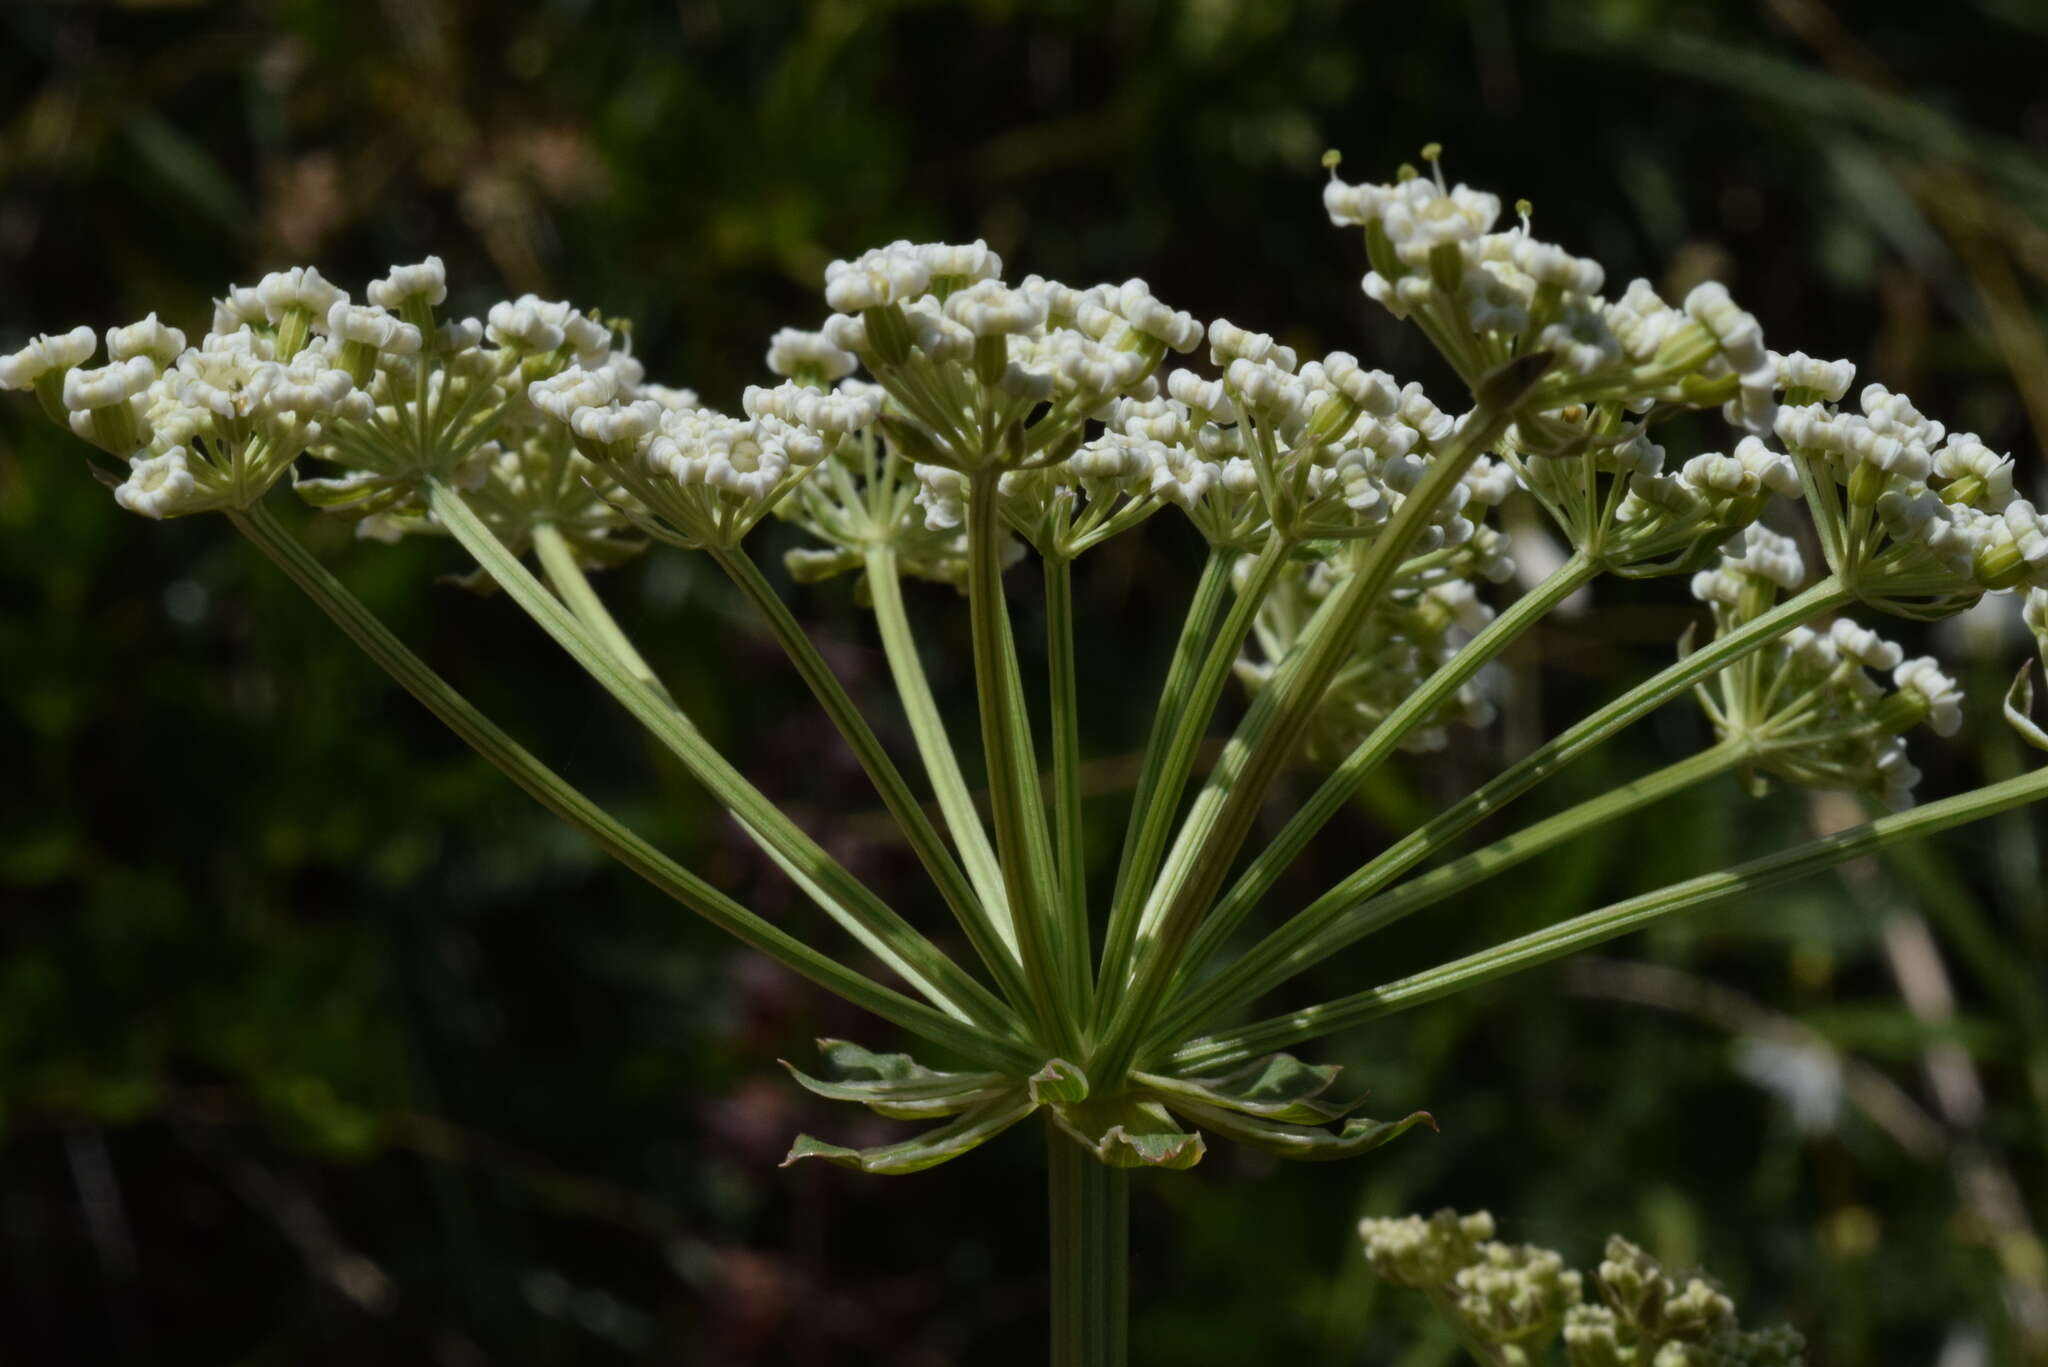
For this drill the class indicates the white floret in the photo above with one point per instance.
(51, 351)
(148, 338)
(1964, 456)
(241, 307)
(529, 323)
(792, 351)
(830, 412)
(1829, 380)
(158, 486)
(426, 279)
(562, 395)
(1201, 395)
(1924, 679)
(371, 325)
(885, 275)
(1548, 264)
(1179, 331)
(970, 261)
(301, 287)
(1373, 391)
(618, 424)
(104, 386)
(1864, 646)
(1228, 342)
(1740, 337)
(988, 308)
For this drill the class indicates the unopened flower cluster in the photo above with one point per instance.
(1527, 1307)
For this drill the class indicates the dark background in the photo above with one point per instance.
(319, 1043)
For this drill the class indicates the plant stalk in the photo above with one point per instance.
(1091, 1255)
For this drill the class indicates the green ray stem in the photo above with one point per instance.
(1285, 943)
(848, 901)
(881, 770)
(1597, 927)
(1212, 999)
(1345, 781)
(565, 801)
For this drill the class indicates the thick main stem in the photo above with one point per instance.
(1091, 1255)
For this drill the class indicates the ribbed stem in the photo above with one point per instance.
(1744, 881)
(1069, 847)
(902, 804)
(1023, 838)
(1091, 1255)
(549, 789)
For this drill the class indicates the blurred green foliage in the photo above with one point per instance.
(318, 1043)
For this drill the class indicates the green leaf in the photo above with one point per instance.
(1058, 1081)
(1302, 1142)
(929, 1149)
(896, 1085)
(1277, 1087)
(1125, 1132)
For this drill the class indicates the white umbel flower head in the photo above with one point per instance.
(1412, 1251)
